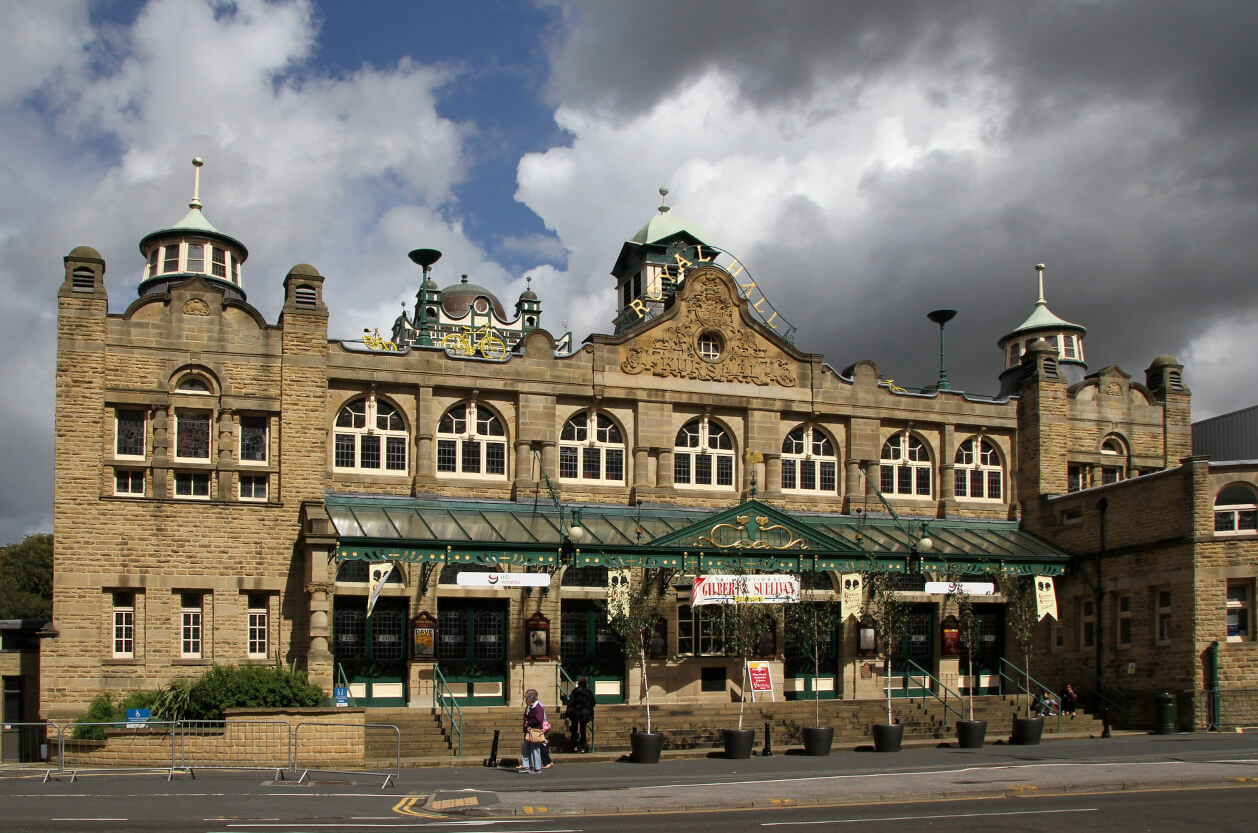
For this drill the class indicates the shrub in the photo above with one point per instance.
(248, 686)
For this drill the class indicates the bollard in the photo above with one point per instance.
(492, 760)
(768, 742)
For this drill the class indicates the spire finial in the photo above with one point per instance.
(1039, 268)
(197, 162)
(663, 194)
(528, 282)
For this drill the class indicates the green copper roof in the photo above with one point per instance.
(752, 535)
(1042, 318)
(665, 225)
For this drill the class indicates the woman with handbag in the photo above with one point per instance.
(534, 734)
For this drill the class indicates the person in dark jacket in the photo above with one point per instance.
(534, 718)
(581, 714)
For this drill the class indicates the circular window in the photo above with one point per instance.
(710, 346)
(481, 305)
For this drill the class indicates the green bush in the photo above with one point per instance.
(248, 686)
(101, 710)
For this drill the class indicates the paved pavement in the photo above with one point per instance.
(582, 784)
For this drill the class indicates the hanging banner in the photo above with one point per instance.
(853, 594)
(760, 677)
(723, 590)
(618, 592)
(1045, 598)
(379, 575)
(965, 588)
(508, 580)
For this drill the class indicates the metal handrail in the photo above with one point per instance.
(1106, 696)
(916, 670)
(443, 699)
(1018, 672)
(561, 677)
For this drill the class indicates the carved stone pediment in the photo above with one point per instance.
(708, 341)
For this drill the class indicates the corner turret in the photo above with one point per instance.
(1042, 324)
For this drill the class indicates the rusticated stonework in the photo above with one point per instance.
(708, 310)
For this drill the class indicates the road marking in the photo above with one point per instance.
(533, 810)
(932, 817)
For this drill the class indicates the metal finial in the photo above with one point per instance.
(1039, 269)
(663, 194)
(197, 162)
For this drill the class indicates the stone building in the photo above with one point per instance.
(391, 514)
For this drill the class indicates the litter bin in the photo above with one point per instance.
(1168, 717)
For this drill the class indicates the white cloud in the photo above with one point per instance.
(1216, 367)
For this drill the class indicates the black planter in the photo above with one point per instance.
(970, 733)
(738, 742)
(818, 740)
(1027, 731)
(644, 747)
(888, 736)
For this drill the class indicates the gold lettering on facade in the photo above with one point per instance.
(708, 307)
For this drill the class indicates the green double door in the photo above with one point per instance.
(989, 647)
(370, 651)
(589, 649)
(804, 678)
(472, 650)
(918, 648)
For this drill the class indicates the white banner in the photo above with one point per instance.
(720, 590)
(965, 588)
(618, 592)
(853, 594)
(379, 575)
(508, 580)
(1045, 598)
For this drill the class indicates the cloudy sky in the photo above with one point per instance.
(867, 162)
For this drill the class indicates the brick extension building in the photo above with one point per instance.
(228, 489)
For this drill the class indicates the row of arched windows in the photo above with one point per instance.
(471, 440)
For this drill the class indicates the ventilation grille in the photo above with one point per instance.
(306, 296)
(83, 279)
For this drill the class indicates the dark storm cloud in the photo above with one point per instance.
(1125, 133)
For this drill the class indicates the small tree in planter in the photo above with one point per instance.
(972, 734)
(1019, 592)
(632, 615)
(890, 618)
(813, 624)
(745, 626)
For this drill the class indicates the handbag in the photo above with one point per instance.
(534, 735)
(545, 725)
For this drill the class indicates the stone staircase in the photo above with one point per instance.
(698, 726)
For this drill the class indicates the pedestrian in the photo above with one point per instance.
(547, 763)
(581, 715)
(1069, 701)
(1046, 705)
(534, 734)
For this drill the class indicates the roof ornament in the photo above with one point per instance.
(1039, 270)
(197, 162)
(663, 194)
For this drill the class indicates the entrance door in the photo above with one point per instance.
(472, 650)
(371, 650)
(989, 648)
(805, 679)
(589, 648)
(918, 648)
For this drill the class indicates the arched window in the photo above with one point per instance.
(906, 467)
(1113, 460)
(978, 473)
(597, 454)
(1236, 510)
(808, 462)
(471, 440)
(370, 436)
(703, 456)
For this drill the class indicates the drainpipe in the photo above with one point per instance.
(1101, 506)
(1213, 717)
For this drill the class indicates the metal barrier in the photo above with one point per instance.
(235, 744)
(1224, 709)
(25, 748)
(331, 747)
(116, 746)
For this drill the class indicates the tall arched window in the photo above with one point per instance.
(1236, 510)
(906, 467)
(586, 454)
(978, 473)
(808, 462)
(472, 440)
(371, 437)
(1113, 460)
(703, 456)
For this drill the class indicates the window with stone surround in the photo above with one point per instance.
(129, 433)
(191, 624)
(128, 483)
(1236, 510)
(259, 625)
(1240, 610)
(371, 436)
(1087, 624)
(472, 441)
(978, 474)
(192, 435)
(253, 487)
(1076, 477)
(1113, 460)
(123, 624)
(254, 434)
(194, 485)
(1161, 615)
(597, 454)
(906, 466)
(1123, 622)
(703, 456)
(809, 463)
